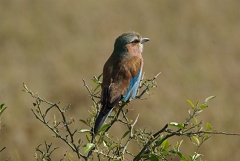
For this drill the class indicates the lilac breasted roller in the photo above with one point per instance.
(121, 74)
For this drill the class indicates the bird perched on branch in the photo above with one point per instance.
(121, 74)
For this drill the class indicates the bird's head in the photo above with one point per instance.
(130, 41)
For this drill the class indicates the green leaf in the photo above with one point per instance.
(208, 126)
(180, 155)
(191, 104)
(104, 127)
(145, 155)
(125, 134)
(97, 87)
(178, 145)
(195, 120)
(203, 106)
(154, 158)
(25, 86)
(196, 140)
(164, 152)
(88, 147)
(2, 108)
(195, 157)
(84, 130)
(165, 144)
(88, 137)
(110, 116)
(205, 137)
(83, 121)
(175, 124)
(197, 103)
(209, 98)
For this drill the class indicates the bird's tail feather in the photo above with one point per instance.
(101, 119)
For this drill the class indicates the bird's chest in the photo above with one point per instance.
(135, 49)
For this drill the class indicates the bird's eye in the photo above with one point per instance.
(136, 41)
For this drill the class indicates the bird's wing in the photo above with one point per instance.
(121, 79)
(133, 86)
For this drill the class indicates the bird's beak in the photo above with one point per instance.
(144, 40)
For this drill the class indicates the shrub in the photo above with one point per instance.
(152, 146)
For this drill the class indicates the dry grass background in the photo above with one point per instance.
(53, 45)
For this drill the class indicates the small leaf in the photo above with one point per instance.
(191, 104)
(105, 144)
(175, 124)
(203, 106)
(125, 134)
(154, 158)
(99, 76)
(83, 121)
(110, 116)
(2, 108)
(196, 140)
(197, 103)
(179, 145)
(209, 98)
(88, 137)
(24, 86)
(104, 127)
(179, 154)
(205, 137)
(208, 126)
(165, 144)
(195, 157)
(88, 147)
(84, 130)
(164, 152)
(97, 87)
(195, 120)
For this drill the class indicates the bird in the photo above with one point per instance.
(122, 73)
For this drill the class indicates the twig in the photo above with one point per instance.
(89, 91)
(41, 117)
(130, 135)
(211, 132)
(155, 136)
(148, 86)
(2, 149)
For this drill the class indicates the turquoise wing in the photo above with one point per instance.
(133, 86)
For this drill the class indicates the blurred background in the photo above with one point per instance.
(52, 45)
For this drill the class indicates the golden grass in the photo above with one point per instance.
(53, 45)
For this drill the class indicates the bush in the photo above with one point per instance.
(152, 146)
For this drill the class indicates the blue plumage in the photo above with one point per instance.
(133, 87)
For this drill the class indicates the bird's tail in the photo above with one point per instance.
(102, 116)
